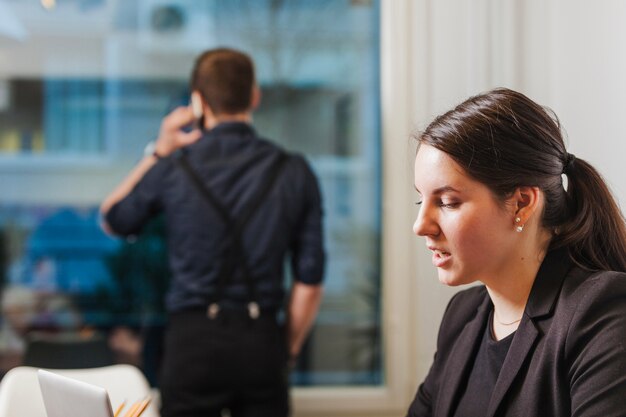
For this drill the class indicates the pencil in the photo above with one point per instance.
(119, 409)
(131, 411)
(142, 407)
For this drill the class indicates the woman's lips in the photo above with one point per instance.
(440, 257)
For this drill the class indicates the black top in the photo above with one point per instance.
(233, 163)
(485, 371)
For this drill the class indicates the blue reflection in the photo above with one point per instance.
(66, 253)
(318, 67)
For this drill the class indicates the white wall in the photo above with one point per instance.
(566, 54)
(589, 83)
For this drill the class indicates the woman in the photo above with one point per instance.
(546, 333)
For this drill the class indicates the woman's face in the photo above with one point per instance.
(472, 237)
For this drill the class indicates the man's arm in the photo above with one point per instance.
(171, 138)
(124, 188)
(303, 306)
(307, 262)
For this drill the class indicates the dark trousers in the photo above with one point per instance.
(230, 362)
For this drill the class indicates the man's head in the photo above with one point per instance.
(225, 80)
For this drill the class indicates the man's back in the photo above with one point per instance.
(233, 163)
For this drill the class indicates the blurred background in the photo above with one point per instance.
(84, 84)
(83, 87)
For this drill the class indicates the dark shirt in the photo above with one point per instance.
(484, 374)
(233, 163)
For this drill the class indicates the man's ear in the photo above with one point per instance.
(526, 202)
(255, 97)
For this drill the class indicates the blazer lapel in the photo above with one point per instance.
(540, 304)
(461, 360)
(521, 346)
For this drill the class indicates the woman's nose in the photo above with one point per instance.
(424, 223)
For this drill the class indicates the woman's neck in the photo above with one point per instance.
(509, 293)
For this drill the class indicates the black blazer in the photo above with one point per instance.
(567, 358)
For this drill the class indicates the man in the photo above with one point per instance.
(235, 206)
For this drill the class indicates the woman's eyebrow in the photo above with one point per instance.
(441, 190)
(445, 189)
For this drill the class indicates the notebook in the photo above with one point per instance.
(68, 397)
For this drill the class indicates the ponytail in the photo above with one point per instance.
(595, 232)
(505, 140)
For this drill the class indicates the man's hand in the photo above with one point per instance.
(171, 136)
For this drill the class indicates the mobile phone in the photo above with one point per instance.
(196, 108)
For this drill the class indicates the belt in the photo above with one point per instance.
(232, 311)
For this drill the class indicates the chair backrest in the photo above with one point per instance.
(20, 394)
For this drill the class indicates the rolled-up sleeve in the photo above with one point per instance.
(308, 257)
(129, 215)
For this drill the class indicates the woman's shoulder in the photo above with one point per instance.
(582, 286)
(591, 301)
(591, 324)
(609, 276)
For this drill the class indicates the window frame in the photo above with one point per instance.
(397, 246)
(398, 257)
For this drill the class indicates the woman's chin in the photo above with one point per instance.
(451, 280)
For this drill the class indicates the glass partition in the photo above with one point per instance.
(83, 86)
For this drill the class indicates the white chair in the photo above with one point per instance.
(20, 395)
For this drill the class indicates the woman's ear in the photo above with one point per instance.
(526, 202)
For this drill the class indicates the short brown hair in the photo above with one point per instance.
(225, 78)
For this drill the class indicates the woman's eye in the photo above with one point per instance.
(418, 203)
(449, 205)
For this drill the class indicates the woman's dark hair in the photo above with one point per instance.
(505, 140)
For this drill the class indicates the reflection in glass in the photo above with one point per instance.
(93, 78)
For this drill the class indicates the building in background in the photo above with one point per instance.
(83, 86)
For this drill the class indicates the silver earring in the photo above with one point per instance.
(519, 228)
